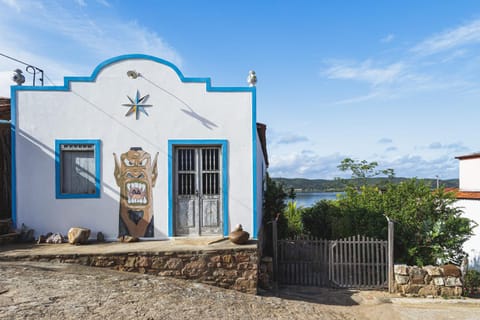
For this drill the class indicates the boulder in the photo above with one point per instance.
(238, 235)
(100, 237)
(401, 269)
(433, 271)
(78, 235)
(429, 290)
(417, 275)
(453, 282)
(400, 279)
(127, 239)
(41, 239)
(451, 270)
(54, 238)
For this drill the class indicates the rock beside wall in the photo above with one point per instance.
(429, 281)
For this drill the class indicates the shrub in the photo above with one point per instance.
(471, 282)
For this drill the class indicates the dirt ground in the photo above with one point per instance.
(41, 290)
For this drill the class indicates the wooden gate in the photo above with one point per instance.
(354, 262)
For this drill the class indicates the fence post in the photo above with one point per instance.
(275, 249)
(391, 275)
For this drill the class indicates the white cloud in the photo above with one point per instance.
(13, 4)
(104, 2)
(92, 39)
(305, 164)
(388, 38)
(455, 147)
(81, 3)
(367, 71)
(463, 35)
(385, 140)
(290, 139)
(309, 164)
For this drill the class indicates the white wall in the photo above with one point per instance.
(93, 110)
(261, 176)
(471, 209)
(469, 174)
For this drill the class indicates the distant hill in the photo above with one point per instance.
(323, 185)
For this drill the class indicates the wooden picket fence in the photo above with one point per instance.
(354, 262)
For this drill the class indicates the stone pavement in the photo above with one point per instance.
(40, 290)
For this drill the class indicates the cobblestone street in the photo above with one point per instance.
(39, 290)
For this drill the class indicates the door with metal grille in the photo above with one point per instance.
(198, 191)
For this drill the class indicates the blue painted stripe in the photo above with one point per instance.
(197, 142)
(254, 162)
(68, 80)
(58, 178)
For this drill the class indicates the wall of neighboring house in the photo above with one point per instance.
(469, 202)
(471, 209)
(261, 176)
(469, 173)
(184, 111)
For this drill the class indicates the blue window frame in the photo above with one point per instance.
(77, 169)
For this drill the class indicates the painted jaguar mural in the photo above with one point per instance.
(136, 176)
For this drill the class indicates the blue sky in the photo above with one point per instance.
(397, 82)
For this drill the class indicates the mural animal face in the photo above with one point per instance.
(136, 176)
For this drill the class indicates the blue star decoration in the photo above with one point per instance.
(137, 105)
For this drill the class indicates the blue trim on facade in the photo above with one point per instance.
(254, 162)
(68, 80)
(97, 155)
(200, 142)
(13, 122)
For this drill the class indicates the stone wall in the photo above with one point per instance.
(433, 281)
(231, 269)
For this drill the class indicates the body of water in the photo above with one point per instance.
(308, 199)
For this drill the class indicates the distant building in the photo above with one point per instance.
(468, 197)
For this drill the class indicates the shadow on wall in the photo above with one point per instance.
(38, 208)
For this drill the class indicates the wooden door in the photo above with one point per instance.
(198, 191)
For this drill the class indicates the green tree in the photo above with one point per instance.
(362, 170)
(293, 214)
(274, 207)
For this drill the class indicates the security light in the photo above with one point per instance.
(132, 74)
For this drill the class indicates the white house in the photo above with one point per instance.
(137, 148)
(468, 197)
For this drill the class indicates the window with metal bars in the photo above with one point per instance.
(210, 171)
(77, 168)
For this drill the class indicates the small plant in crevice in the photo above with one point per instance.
(471, 283)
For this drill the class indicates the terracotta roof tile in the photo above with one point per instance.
(468, 195)
(469, 156)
